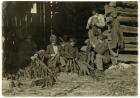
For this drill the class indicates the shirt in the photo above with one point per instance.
(55, 48)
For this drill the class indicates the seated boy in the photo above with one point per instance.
(102, 53)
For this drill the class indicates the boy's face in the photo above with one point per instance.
(53, 42)
(72, 43)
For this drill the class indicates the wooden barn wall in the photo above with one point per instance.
(128, 16)
(18, 23)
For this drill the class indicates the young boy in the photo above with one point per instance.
(72, 55)
(102, 53)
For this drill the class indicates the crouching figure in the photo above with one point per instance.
(103, 57)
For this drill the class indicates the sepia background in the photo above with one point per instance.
(39, 19)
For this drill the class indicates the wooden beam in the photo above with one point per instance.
(132, 4)
(128, 57)
(131, 45)
(127, 19)
(128, 29)
(130, 39)
(122, 13)
(131, 49)
(127, 11)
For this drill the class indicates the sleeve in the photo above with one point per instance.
(47, 54)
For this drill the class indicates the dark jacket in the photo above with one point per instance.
(62, 50)
(50, 51)
(72, 52)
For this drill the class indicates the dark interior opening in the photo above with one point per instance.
(69, 18)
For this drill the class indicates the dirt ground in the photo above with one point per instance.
(119, 80)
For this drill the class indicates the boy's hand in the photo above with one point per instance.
(53, 54)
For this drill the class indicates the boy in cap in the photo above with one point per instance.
(52, 56)
(71, 55)
(52, 49)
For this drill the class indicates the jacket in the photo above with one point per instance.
(116, 35)
(50, 51)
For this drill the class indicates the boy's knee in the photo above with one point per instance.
(98, 56)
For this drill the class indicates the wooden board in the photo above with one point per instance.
(129, 4)
(121, 13)
(127, 19)
(131, 45)
(130, 39)
(129, 29)
(128, 57)
(127, 11)
(130, 49)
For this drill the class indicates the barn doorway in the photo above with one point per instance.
(39, 20)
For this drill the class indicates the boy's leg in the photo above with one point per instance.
(99, 62)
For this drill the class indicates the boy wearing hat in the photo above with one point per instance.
(52, 49)
(53, 58)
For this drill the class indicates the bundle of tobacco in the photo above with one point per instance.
(80, 65)
(84, 67)
(72, 66)
(38, 71)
